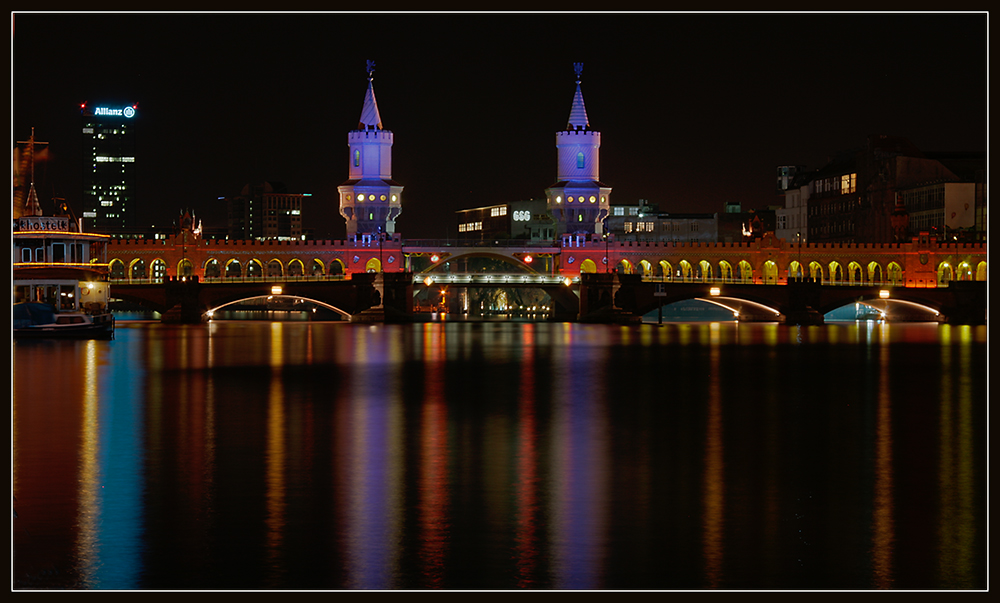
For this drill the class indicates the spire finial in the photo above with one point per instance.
(578, 68)
(370, 68)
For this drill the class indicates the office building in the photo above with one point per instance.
(109, 168)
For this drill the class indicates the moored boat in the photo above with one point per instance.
(60, 273)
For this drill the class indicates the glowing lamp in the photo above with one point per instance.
(714, 291)
(567, 281)
(428, 281)
(276, 290)
(435, 258)
(527, 259)
(883, 294)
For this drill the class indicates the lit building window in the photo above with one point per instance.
(579, 161)
(357, 157)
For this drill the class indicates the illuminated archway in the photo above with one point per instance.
(625, 267)
(666, 270)
(895, 274)
(770, 273)
(854, 274)
(981, 271)
(317, 268)
(816, 271)
(706, 271)
(337, 267)
(645, 268)
(744, 272)
(588, 266)
(373, 265)
(836, 272)
(116, 269)
(295, 267)
(234, 269)
(726, 271)
(684, 270)
(212, 268)
(274, 268)
(945, 274)
(794, 270)
(185, 268)
(255, 269)
(964, 272)
(874, 273)
(137, 269)
(158, 269)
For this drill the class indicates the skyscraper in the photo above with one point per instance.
(109, 168)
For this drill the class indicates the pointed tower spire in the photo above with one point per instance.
(369, 112)
(578, 200)
(370, 200)
(578, 112)
(31, 205)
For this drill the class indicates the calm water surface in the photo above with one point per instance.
(253, 455)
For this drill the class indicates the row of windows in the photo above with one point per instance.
(651, 226)
(470, 226)
(845, 183)
(498, 211)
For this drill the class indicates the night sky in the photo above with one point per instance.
(695, 110)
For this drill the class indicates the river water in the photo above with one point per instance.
(502, 455)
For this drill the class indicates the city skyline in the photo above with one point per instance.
(695, 110)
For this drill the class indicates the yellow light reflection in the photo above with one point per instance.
(883, 525)
(713, 483)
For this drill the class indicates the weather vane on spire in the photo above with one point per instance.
(578, 68)
(371, 69)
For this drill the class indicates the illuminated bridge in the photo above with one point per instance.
(766, 279)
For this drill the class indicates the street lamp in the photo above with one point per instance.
(799, 236)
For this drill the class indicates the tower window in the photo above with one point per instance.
(579, 161)
(357, 157)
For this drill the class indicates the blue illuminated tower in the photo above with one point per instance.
(578, 200)
(370, 198)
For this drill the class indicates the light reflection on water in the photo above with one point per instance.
(502, 456)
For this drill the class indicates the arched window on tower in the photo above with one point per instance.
(579, 161)
(357, 157)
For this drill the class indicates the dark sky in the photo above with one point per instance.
(695, 110)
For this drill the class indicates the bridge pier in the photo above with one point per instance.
(598, 303)
(803, 299)
(183, 300)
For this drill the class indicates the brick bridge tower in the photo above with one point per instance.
(578, 200)
(370, 198)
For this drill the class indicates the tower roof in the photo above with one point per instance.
(578, 112)
(369, 112)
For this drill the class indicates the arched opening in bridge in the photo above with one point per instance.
(836, 273)
(645, 268)
(277, 307)
(726, 271)
(684, 270)
(337, 267)
(255, 269)
(874, 273)
(317, 268)
(185, 268)
(373, 265)
(296, 268)
(692, 310)
(794, 270)
(981, 271)
(816, 272)
(588, 266)
(137, 270)
(945, 274)
(744, 272)
(890, 310)
(159, 269)
(212, 268)
(116, 269)
(704, 271)
(234, 269)
(625, 267)
(770, 273)
(666, 270)
(274, 268)
(895, 274)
